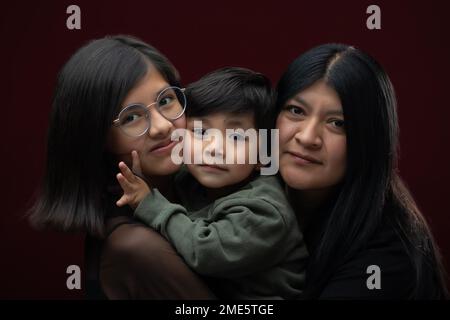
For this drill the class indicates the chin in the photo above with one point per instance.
(299, 181)
(212, 184)
(162, 168)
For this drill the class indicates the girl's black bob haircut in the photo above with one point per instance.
(88, 96)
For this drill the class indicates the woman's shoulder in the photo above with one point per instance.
(380, 270)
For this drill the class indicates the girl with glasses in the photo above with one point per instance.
(115, 95)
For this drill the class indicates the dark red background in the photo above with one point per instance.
(199, 36)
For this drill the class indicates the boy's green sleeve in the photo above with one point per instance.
(242, 235)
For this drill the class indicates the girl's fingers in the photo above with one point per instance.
(127, 173)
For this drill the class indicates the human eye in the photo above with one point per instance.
(166, 100)
(236, 136)
(294, 110)
(132, 115)
(337, 123)
(130, 118)
(199, 132)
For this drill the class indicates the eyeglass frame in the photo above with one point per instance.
(116, 121)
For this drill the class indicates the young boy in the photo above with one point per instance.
(234, 226)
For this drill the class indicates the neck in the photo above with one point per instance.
(308, 202)
(216, 193)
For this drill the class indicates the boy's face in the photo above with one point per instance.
(211, 149)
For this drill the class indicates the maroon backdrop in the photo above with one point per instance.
(198, 37)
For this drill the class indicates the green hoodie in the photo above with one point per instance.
(248, 243)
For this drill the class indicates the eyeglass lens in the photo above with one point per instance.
(134, 120)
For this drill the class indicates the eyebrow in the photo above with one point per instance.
(234, 122)
(229, 122)
(161, 90)
(204, 120)
(154, 97)
(335, 112)
(301, 101)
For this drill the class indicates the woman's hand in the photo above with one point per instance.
(134, 187)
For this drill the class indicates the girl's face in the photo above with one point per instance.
(155, 146)
(312, 139)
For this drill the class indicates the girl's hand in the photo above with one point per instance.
(134, 187)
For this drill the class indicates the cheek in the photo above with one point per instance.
(180, 123)
(156, 166)
(121, 145)
(287, 130)
(337, 157)
(240, 151)
(188, 147)
(193, 148)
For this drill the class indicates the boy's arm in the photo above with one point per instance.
(247, 235)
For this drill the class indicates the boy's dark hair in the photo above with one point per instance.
(232, 90)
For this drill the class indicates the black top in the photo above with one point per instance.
(133, 261)
(93, 248)
(396, 273)
(385, 250)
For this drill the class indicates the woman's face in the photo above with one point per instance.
(155, 146)
(312, 139)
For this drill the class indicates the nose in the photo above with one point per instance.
(309, 134)
(160, 127)
(214, 147)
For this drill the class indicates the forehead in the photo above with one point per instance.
(317, 95)
(147, 88)
(227, 120)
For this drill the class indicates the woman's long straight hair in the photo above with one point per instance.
(371, 189)
(90, 89)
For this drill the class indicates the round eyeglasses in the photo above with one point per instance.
(134, 120)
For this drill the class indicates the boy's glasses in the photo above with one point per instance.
(134, 120)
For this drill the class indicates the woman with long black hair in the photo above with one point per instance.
(338, 156)
(115, 95)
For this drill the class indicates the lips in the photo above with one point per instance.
(163, 146)
(303, 158)
(212, 167)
